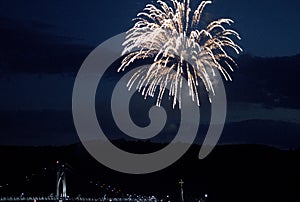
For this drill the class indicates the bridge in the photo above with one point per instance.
(49, 198)
(61, 195)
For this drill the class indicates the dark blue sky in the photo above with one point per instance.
(268, 27)
(43, 44)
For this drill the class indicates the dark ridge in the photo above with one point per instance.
(229, 173)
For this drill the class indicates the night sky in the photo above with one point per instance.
(43, 44)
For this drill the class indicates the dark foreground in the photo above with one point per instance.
(229, 173)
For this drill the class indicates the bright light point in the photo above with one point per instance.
(206, 195)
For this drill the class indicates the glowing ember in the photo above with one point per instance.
(170, 34)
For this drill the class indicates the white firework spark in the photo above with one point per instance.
(169, 33)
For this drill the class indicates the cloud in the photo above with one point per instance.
(45, 127)
(272, 82)
(275, 133)
(29, 47)
(51, 127)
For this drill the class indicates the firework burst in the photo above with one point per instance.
(170, 34)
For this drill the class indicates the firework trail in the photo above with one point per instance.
(169, 33)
